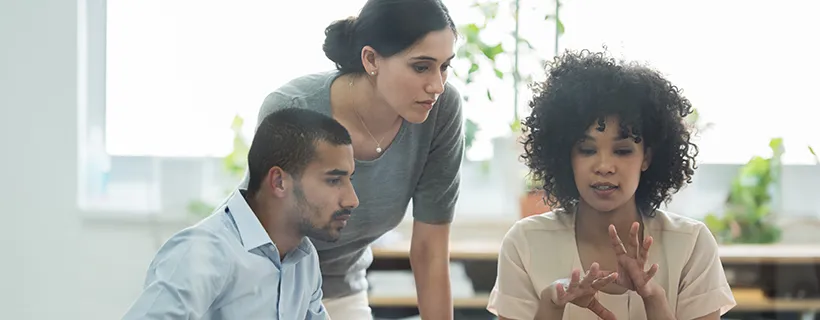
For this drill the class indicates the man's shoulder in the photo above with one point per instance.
(208, 237)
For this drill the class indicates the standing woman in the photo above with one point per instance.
(390, 91)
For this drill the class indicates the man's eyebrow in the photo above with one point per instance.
(338, 172)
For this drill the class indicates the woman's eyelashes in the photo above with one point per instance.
(623, 152)
(591, 151)
(421, 68)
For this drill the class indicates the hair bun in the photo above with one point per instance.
(339, 42)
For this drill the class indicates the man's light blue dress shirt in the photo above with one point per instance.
(227, 267)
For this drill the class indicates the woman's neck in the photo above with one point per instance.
(592, 225)
(357, 102)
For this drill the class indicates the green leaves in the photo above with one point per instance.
(476, 51)
(489, 9)
(236, 162)
(558, 23)
(489, 58)
(747, 217)
(470, 130)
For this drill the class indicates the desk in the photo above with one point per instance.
(736, 254)
(747, 300)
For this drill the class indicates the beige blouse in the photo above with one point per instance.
(540, 249)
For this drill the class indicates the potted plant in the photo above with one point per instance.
(234, 165)
(533, 200)
(480, 64)
(748, 215)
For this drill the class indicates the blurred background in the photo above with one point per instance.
(125, 121)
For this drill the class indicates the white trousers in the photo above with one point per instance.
(352, 307)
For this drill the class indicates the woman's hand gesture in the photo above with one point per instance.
(582, 292)
(631, 262)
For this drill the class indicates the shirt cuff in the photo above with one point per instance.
(719, 299)
(511, 307)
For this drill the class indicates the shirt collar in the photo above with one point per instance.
(251, 232)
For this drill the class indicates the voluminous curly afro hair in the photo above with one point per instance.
(583, 88)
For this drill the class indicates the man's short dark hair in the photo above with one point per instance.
(287, 139)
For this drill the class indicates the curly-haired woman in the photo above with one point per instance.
(609, 141)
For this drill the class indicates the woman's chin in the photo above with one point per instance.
(415, 116)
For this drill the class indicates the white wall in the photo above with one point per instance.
(41, 270)
(52, 266)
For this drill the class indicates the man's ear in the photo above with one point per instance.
(278, 181)
(647, 159)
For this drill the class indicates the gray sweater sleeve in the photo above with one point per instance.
(436, 194)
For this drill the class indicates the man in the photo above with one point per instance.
(251, 259)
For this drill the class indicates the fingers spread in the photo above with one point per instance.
(645, 250)
(603, 282)
(575, 279)
(591, 276)
(561, 293)
(634, 242)
(617, 245)
(651, 273)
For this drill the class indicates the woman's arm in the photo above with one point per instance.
(546, 311)
(434, 202)
(430, 262)
(656, 305)
(658, 308)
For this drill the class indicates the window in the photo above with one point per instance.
(178, 71)
(745, 65)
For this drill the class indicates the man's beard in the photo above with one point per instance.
(304, 210)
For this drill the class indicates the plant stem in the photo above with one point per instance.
(515, 63)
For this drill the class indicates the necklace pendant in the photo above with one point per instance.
(379, 149)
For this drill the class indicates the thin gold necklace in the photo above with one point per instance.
(353, 100)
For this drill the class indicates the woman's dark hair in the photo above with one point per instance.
(389, 26)
(581, 89)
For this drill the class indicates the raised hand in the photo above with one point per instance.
(582, 292)
(631, 261)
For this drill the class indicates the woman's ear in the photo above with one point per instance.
(647, 159)
(370, 60)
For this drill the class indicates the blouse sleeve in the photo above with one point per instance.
(437, 191)
(703, 288)
(513, 295)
